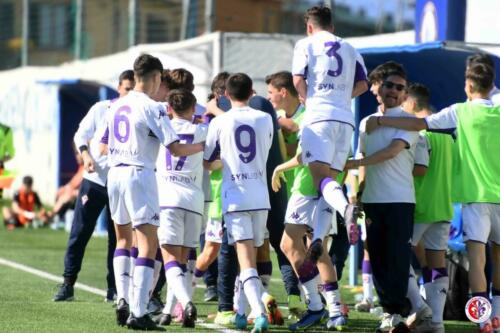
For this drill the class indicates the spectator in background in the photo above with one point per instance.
(6, 148)
(25, 208)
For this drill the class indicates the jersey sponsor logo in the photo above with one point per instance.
(122, 152)
(331, 86)
(478, 309)
(181, 179)
(247, 175)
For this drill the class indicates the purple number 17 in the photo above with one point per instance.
(332, 52)
(184, 138)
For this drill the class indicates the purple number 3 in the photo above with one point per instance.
(121, 118)
(332, 52)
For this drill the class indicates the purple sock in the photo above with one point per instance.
(307, 271)
(143, 261)
(198, 273)
(366, 267)
(438, 273)
(122, 253)
(331, 286)
(426, 274)
(172, 264)
(134, 252)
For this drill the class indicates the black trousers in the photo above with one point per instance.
(389, 228)
(92, 199)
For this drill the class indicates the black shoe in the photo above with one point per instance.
(315, 251)
(155, 305)
(144, 323)
(211, 294)
(64, 294)
(122, 312)
(164, 319)
(190, 315)
(110, 295)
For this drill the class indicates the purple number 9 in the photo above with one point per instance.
(250, 148)
(332, 52)
(121, 121)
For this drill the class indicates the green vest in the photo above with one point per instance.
(215, 208)
(6, 142)
(433, 190)
(476, 173)
(292, 138)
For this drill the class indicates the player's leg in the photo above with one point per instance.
(110, 277)
(213, 240)
(495, 246)
(134, 253)
(121, 267)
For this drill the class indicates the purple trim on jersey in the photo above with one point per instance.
(198, 273)
(175, 207)
(105, 137)
(172, 264)
(426, 274)
(331, 286)
(438, 273)
(360, 74)
(332, 120)
(158, 255)
(142, 261)
(192, 254)
(265, 268)
(121, 253)
(216, 152)
(366, 267)
(134, 252)
(325, 181)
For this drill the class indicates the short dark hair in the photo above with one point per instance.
(239, 87)
(218, 86)
(181, 100)
(146, 64)
(319, 16)
(126, 75)
(481, 76)
(28, 181)
(421, 94)
(281, 80)
(378, 73)
(480, 58)
(179, 78)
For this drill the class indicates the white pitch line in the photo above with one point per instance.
(90, 289)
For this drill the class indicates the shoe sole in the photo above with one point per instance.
(314, 252)
(69, 299)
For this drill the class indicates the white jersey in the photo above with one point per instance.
(180, 178)
(89, 133)
(199, 112)
(331, 67)
(137, 126)
(244, 136)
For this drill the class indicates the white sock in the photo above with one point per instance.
(367, 287)
(242, 305)
(175, 279)
(436, 297)
(134, 252)
(157, 269)
(414, 292)
(332, 295)
(143, 280)
(332, 192)
(170, 301)
(310, 289)
(121, 266)
(238, 291)
(252, 288)
(190, 266)
(322, 225)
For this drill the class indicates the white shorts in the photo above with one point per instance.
(435, 235)
(242, 226)
(302, 210)
(133, 196)
(214, 231)
(327, 142)
(179, 227)
(481, 222)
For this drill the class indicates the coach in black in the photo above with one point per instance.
(93, 196)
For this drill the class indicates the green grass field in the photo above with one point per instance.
(26, 305)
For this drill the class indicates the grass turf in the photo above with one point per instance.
(26, 300)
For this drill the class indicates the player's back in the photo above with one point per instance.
(330, 66)
(245, 137)
(131, 140)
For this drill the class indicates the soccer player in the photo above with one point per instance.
(389, 161)
(483, 58)
(327, 72)
(432, 216)
(137, 126)
(475, 174)
(244, 136)
(181, 214)
(92, 196)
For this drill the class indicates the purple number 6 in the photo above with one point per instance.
(121, 118)
(249, 149)
(332, 52)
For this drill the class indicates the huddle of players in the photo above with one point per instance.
(327, 73)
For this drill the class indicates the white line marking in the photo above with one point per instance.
(92, 290)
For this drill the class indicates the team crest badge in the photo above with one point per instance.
(478, 309)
